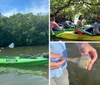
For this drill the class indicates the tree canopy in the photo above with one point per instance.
(24, 29)
(63, 8)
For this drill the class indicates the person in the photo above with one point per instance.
(54, 25)
(80, 25)
(79, 22)
(58, 72)
(69, 22)
(95, 30)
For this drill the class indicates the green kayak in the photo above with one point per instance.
(63, 30)
(17, 60)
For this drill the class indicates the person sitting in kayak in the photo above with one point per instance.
(79, 22)
(80, 27)
(95, 30)
(69, 22)
(53, 25)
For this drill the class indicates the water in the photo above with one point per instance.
(23, 50)
(36, 75)
(78, 76)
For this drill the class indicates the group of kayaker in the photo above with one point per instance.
(94, 30)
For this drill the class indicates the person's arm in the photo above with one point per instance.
(57, 26)
(52, 31)
(86, 48)
(55, 65)
(51, 28)
(97, 30)
(80, 25)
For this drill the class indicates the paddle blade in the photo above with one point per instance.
(11, 45)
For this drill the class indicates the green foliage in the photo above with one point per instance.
(63, 8)
(24, 29)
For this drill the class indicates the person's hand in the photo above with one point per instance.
(82, 27)
(55, 65)
(88, 49)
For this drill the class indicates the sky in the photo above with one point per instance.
(10, 7)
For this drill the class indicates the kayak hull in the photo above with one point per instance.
(72, 36)
(16, 60)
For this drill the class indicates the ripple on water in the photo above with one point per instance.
(22, 79)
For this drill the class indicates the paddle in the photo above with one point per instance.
(11, 45)
(83, 30)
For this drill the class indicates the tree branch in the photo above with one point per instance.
(61, 8)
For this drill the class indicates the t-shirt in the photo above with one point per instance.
(58, 48)
(96, 26)
(80, 23)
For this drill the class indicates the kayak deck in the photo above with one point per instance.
(63, 30)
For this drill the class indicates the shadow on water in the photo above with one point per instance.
(18, 75)
(78, 76)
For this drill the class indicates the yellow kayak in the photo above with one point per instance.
(71, 36)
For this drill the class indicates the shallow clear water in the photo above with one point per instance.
(78, 76)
